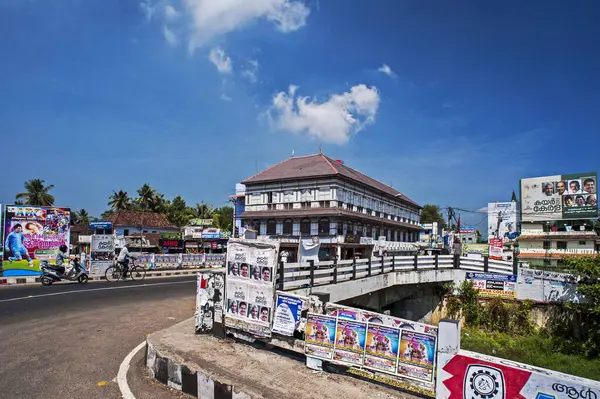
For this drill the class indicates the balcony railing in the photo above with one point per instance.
(555, 251)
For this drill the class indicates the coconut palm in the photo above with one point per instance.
(203, 211)
(119, 200)
(37, 193)
(82, 217)
(146, 197)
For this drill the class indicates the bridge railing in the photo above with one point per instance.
(311, 274)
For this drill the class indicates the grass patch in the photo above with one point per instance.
(534, 349)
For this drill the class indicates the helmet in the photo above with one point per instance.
(62, 248)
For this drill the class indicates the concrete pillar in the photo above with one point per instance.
(448, 345)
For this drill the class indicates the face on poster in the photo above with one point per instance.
(382, 347)
(350, 341)
(502, 220)
(416, 349)
(320, 336)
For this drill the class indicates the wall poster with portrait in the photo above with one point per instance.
(558, 197)
(250, 285)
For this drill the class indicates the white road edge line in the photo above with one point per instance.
(123, 369)
(96, 289)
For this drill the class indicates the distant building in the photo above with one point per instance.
(432, 236)
(239, 206)
(130, 222)
(318, 198)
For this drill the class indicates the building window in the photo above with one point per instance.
(359, 229)
(256, 225)
(369, 231)
(126, 232)
(271, 227)
(582, 242)
(324, 226)
(269, 198)
(288, 227)
(325, 204)
(561, 245)
(546, 244)
(305, 227)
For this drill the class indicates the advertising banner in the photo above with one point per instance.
(102, 253)
(350, 341)
(288, 311)
(417, 355)
(468, 230)
(493, 285)
(209, 301)
(320, 336)
(559, 197)
(382, 348)
(502, 220)
(32, 234)
(102, 225)
(250, 285)
(496, 248)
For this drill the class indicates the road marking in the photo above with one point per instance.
(96, 289)
(123, 369)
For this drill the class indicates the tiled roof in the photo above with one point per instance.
(140, 218)
(320, 165)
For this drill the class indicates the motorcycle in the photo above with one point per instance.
(75, 273)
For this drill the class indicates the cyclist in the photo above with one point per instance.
(123, 260)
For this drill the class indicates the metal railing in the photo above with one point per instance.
(311, 274)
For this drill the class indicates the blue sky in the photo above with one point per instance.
(450, 102)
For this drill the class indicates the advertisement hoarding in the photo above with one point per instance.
(558, 197)
(493, 285)
(250, 291)
(32, 234)
(288, 312)
(496, 248)
(102, 253)
(502, 220)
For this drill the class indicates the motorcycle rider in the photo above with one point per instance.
(61, 256)
(123, 260)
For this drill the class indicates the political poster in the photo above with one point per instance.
(417, 355)
(33, 234)
(496, 248)
(559, 197)
(288, 312)
(350, 340)
(102, 253)
(494, 285)
(382, 348)
(502, 221)
(250, 285)
(320, 336)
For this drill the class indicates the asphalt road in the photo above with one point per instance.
(68, 340)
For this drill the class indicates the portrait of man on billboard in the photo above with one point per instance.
(561, 188)
(589, 186)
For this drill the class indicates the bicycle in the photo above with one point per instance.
(115, 273)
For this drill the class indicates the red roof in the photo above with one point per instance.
(140, 218)
(319, 165)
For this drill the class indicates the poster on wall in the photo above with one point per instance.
(417, 355)
(382, 348)
(496, 248)
(102, 253)
(250, 285)
(502, 220)
(350, 340)
(288, 312)
(559, 197)
(494, 285)
(320, 336)
(32, 234)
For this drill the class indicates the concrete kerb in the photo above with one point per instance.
(151, 274)
(204, 366)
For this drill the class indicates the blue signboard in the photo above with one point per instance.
(105, 225)
(287, 314)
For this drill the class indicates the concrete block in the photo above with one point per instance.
(189, 381)
(162, 369)
(174, 371)
(206, 387)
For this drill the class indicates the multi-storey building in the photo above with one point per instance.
(545, 244)
(316, 196)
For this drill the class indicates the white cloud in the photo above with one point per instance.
(213, 18)
(171, 13)
(170, 36)
(333, 121)
(387, 70)
(220, 60)
(225, 97)
(148, 9)
(251, 73)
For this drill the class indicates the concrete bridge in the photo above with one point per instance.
(409, 287)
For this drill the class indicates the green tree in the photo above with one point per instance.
(203, 211)
(81, 217)
(223, 218)
(179, 213)
(146, 199)
(432, 213)
(119, 201)
(36, 193)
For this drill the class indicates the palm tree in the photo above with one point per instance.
(37, 193)
(146, 197)
(82, 217)
(203, 211)
(119, 201)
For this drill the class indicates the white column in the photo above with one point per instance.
(448, 346)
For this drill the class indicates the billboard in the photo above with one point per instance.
(102, 254)
(502, 220)
(494, 285)
(32, 234)
(573, 196)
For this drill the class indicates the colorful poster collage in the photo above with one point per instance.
(250, 282)
(374, 341)
(33, 234)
